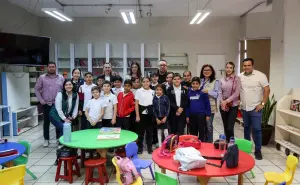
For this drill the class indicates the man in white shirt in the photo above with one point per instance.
(254, 94)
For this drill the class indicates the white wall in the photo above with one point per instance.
(14, 19)
(258, 25)
(216, 35)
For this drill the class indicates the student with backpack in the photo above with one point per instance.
(144, 112)
(125, 106)
(85, 94)
(110, 111)
(178, 103)
(161, 109)
(198, 111)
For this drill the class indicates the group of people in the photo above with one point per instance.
(156, 105)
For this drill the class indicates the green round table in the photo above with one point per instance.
(87, 139)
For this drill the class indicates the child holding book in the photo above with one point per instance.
(178, 103)
(85, 94)
(198, 111)
(125, 107)
(95, 109)
(110, 112)
(161, 109)
(117, 85)
(144, 112)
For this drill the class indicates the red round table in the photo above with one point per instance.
(246, 163)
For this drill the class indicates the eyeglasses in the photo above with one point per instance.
(162, 65)
(207, 70)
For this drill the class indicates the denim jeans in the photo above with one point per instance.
(252, 119)
(58, 125)
(210, 129)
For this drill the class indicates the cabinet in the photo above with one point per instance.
(287, 131)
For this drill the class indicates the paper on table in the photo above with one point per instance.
(110, 136)
(108, 130)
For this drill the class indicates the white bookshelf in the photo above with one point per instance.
(287, 130)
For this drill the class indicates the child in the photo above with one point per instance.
(187, 83)
(117, 85)
(198, 111)
(125, 107)
(169, 80)
(144, 112)
(110, 112)
(95, 109)
(100, 80)
(85, 94)
(135, 84)
(154, 81)
(161, 109)
(178, 103)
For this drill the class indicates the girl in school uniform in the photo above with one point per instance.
(144, 113)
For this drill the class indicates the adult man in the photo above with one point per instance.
(162, 71)
(254, 94)
(46, 89)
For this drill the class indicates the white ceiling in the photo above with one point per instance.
(160, 7)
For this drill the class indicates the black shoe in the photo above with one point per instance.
(150, 151)
(258, 155)
(140, 151)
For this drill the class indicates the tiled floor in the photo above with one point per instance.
(42, 159)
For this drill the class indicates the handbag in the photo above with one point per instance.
(231, 103)
(66, 152)
(189, 158)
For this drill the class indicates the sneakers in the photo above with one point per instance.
(46, 143)
(258, 155)
(140, 151)
(150, 151)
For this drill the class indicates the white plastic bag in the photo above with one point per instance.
(189, 158)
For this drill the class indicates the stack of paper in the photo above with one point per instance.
(109, 133)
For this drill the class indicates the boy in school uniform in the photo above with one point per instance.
(110, 111)
(100, 80)
(95, 109)
(117, 85)
(154, 81)
(178, 103)
(85, 94)
(125, 107)
(135, 85)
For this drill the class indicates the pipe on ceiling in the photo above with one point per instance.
(91, 5)
(140, 9)
(255, 6)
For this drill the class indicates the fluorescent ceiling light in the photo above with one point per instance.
(57, 14)
(128, 16)
(200, 16)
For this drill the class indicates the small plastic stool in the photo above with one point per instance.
(68, 168)
(100, 165)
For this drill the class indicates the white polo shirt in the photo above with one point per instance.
(252, 89)
(95, 106)
(87, 90)
(177, 95)
(110, 100)
(145, 97)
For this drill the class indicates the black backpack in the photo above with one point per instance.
(231, 157)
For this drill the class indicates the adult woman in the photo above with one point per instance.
(229, 92)
(210, 85)
(65, 108)
(76, 79)
(107, 73)
(135, 71)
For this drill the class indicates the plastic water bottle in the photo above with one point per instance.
(67, 132)
(222, 143)
(231, 141)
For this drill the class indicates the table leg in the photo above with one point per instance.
(240, 179)
(102, 152)
(203, 180)
(163, 170)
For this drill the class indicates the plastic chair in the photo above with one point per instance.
(162, 179)
(23, 160)
(96, 164)
(14, 175)
(287, 175)
(184, 137)
(138, 181)
(131, 150)
(245, 146)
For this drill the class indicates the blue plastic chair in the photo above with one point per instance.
(131, 150)
(283, 183)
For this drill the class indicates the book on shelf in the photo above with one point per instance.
(110, 130)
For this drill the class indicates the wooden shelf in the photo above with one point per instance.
(25, 109)
(289, 145)
(24, 119)
(290, 129)
(290, 112)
